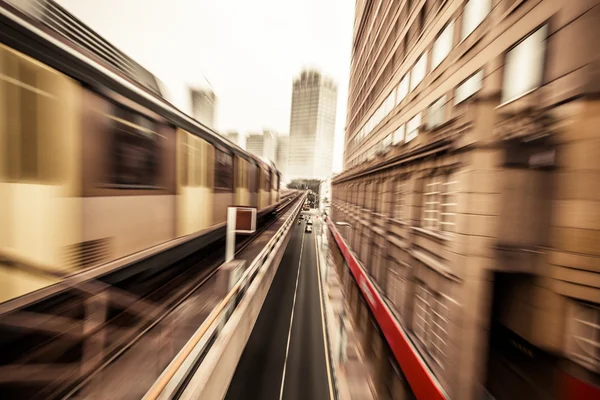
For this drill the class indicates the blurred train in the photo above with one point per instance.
(94, 163)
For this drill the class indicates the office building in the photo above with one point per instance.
(237, 138)
(470, 189)
(204, 104)
(262, 144)
(282, 156)
(312, 124)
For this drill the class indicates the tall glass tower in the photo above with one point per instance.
(312, 125)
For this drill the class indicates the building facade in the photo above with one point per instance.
(312, 124)
(204, 104)
(472, 162)
(282, 156)
(263, 144)
(237, 138)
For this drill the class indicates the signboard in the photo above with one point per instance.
(245, 221)
(239, 220)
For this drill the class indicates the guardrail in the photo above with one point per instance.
(216, 347)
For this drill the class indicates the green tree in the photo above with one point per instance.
(306, 184)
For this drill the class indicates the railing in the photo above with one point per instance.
(215, 332)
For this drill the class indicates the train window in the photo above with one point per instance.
(185, 156)
(194, 161)
(32, 148)
(199, 163)
(253, 178)
(223, 170)
(242, 176)
(134, 150)
(258, 178)
(267, 180)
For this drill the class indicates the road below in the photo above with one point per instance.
(285, 356)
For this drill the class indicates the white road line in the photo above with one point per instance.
(287, 349)
(323, 318)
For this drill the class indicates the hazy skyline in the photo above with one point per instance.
(250, 52)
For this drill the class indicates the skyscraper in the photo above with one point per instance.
(237, 138)
(281, 161)
(204, 103)
(262, 144)
(312, 124)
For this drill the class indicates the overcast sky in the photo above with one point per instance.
(249, 50)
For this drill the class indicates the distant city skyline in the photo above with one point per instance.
(268, 145)
(247, 52)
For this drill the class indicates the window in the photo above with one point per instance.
(400, 199)
(22, 142)
(387, 142)
(449, 203)
(439, 203)
(185, 162)
(432, 191)
(193, 161)
(524, 67)
(422, 317)
(474, 13)
(134, 149)
(390, 102)
(31, 144)
(439, 328)
(267, 174)
(436, 115)
(468, 88)
(418, 71)
(223, 170)
(442, 46)
(398, 135)
(402, 89)
(583, 338)
(430, 323)
(252, 177)
(396, 287)
(412, 128)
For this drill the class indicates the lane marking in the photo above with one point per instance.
(287, 349)
(321, 303)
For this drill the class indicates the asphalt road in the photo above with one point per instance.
(285, 355)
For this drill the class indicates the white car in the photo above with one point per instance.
(308, 229)
(309, 221)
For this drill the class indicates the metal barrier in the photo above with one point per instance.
(215, 348)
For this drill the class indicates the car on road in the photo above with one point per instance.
(308, 229)
(309, 221)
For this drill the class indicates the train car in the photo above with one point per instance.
(98, 166)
